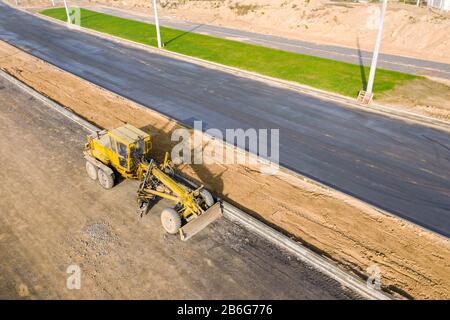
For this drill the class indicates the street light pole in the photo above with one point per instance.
(67, 12)
(158, 34)
(376, 51)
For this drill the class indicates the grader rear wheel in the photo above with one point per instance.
(106, 180)
(171, 220)
(91, 170)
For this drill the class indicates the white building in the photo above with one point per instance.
(439, 4)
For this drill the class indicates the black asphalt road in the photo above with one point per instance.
(400, 167)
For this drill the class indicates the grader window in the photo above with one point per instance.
(123, 153)
(105, 141)
(140, 147)
(113, 145)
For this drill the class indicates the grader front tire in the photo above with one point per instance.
(207, 197)
(170, 220)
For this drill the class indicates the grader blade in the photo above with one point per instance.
(201, 222)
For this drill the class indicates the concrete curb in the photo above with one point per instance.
(376, 108)
(236, 215)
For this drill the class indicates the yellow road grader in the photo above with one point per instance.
(126, 151)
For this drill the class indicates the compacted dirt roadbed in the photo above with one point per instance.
(53, 216)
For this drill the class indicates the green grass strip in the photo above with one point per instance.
(330, 75)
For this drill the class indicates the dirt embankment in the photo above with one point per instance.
(412, 261)
(422, 96)
(409, 30)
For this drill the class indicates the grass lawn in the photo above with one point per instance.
(330, 75)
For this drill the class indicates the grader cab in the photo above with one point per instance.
(126, 151)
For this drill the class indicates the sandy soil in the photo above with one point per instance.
(413, 262)
(409, 31)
